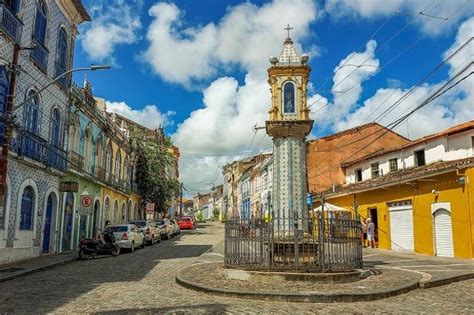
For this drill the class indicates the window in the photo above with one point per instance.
(40, 53)
(3, 95)
(289, 98)
(116, 209)
(27, 209)
(56, 128)
(375, 169)
(31, 114)
(13, 5)
(108, 159)
(420, 157)
(393, 164)
(61, 60)
(126, 170)
(118, 162)
(358, 175)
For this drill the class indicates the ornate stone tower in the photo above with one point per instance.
(288, 125)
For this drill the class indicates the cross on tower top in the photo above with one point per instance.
(288, 28)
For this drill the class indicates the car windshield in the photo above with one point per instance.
(139, 223)
(120, 228)
(186, 219)
(160, 222)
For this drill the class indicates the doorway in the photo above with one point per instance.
(374, 217)
(95, 219)
(48, 224)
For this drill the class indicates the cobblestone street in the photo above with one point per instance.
(145, 282)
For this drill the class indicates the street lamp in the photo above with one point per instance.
(91, 68)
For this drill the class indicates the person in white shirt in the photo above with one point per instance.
(371, 232)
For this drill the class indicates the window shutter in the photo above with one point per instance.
(40, 27)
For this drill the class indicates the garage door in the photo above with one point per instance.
(401, 229)
(443, 233)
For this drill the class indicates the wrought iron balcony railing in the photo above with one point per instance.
(10, 24)
(40, 54)
(36, 148)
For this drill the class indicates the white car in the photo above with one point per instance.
(149, 229)
(128, 236)
(165, 228)
(176, 229)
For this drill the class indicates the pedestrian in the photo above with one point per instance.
(371, 232)
(363, 232)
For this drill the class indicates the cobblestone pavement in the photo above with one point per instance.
(144, 282)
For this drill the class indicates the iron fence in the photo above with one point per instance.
(327, 243)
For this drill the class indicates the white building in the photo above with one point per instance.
(45, 31)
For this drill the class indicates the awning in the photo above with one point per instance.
(332, 208)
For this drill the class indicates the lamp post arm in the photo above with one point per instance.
(56, 79)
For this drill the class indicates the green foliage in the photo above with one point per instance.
(153, 162)
(215, 213)
(200, 216)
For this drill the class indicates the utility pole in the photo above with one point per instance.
(7, 123)
(181, 201)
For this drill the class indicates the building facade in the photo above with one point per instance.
(45, 32)
(419, 195)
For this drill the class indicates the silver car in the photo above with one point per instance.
(176, 229)
(149, 229)
(165, 228)
(128, 236)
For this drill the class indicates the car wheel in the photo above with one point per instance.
(132, 247)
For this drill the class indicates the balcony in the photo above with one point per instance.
(36, 148)
(40, 55)
(76, 161)
(10, 24)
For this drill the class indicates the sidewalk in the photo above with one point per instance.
(26, 267)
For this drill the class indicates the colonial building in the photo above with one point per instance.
(419, 194)
(45, 32)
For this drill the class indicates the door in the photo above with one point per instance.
(95, 219)
(443, 233)
(401, 228)
(47, 224)
(66, 242)
(374, 216)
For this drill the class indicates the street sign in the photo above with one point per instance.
(68, 187)
(150, 207)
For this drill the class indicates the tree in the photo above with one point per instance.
(155, 165)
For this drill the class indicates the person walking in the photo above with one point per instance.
(363, 232)
(371, 232)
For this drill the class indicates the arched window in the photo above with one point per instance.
(40, 53)
(116, 209)
(106, 209)
(126, 171)
(40, 22)
(27, 209)
(87, 150)
(99, 152)
(61, 59)
(3, 96)
(32, 112)
(118, 164)
(289, 98)
(108, 159)
(56, 128)
(124, 214)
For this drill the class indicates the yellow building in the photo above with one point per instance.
(420, 195)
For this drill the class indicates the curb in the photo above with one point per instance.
(440, 282)
(32, 271)
(300, 297)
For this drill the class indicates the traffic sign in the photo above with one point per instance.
(86, 201)
(150, 207)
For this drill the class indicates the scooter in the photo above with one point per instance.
(89, 248)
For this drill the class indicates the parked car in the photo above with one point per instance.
(128, 236)
(176, 230)
(150, 230)
(193, 220)
(185, 223)
(165, 228)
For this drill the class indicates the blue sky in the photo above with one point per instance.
(200, 66)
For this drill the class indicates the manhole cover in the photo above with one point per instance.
(11, 269)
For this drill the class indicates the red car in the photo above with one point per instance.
(185, 223)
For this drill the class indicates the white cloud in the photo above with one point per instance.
(245, 37)
(113, 23)
(149, 116)
(431, 23)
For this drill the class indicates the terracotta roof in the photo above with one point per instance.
(450, 131)
(404, 175)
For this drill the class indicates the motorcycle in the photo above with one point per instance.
(89, 248)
